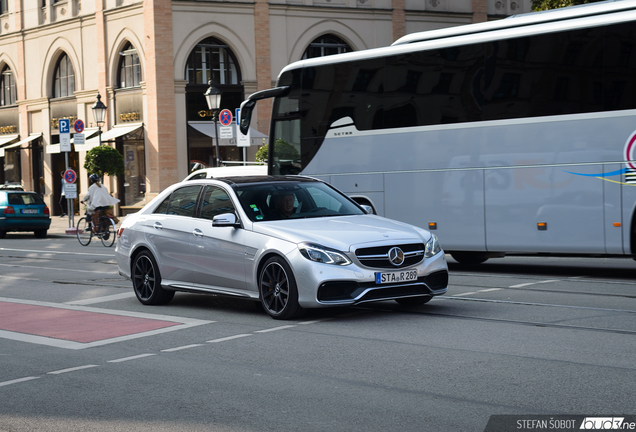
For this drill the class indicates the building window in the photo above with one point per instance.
(326, 45)
(4, 6)
(64, 84)
(129, 67)
(212, 60)
(7, 83)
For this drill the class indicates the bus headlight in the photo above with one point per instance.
(432, 247)
(323, 255)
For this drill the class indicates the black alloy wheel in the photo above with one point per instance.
(146, 281)
(278, 291)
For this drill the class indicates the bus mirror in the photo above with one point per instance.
(246, 115)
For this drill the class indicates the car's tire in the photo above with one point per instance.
(278, 290)
(146, 280)
(469, 258)
(413, 301)
(40, 233)
(3, 234)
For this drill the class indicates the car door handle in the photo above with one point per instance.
(197, 232)
(157, 225)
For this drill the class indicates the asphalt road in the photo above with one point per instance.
(518, 335)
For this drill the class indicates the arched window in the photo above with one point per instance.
(326, 45)
(7, 83)
(64, 84)
(129, 67)
(212, 60)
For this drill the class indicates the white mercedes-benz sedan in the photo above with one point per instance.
(289, 242)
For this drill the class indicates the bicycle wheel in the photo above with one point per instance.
(109, 231)
(84, 231)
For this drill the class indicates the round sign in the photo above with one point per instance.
(70, 176)
(225, 117)
(78, 126)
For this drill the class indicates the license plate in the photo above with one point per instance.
(396, 277)
(29, 211)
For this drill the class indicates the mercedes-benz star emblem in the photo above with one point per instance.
(396, 256)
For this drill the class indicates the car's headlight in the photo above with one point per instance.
(322, 254)
(432, 247)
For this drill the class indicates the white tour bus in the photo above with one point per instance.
(516, 135)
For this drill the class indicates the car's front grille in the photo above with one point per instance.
(378, 257)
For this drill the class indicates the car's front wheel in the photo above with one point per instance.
(146, 281)
(278, 290)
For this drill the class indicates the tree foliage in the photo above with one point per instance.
(283, 149)
(104, 159)
(541, 5)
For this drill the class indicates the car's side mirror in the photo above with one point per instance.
(367, 208)
(226, 220)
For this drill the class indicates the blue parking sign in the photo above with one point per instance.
(64, 126)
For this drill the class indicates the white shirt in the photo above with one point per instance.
(99, 197)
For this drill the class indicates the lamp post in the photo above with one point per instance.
(99, 114)
(213, 98)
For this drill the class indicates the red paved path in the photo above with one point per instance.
(72, 325)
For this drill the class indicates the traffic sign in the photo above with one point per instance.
(225, 117)
(70, 176)
(64, 126)
(78, 126)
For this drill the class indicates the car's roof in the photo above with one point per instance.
(242, 180)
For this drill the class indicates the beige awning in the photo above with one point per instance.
(27, 140)
(111, 134)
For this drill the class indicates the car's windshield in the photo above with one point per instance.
(293, 200)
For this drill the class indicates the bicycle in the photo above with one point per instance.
(106, 234)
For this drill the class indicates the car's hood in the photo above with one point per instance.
(342, 232)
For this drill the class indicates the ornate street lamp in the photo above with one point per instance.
(99, 114)
(213, 98)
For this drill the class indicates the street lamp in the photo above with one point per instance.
(213, 98)
(99, 114)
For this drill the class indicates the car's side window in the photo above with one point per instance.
(215, 202)
(184, 201)
(163, 207)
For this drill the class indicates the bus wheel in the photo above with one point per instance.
(469, 257)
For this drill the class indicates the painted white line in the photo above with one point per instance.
(44, 251)
(103, 299)
(313, 322)
(465, 294)
(229, 338)
(131, 358)
(274, 329)
(488, 290)
(15, 381)
(533, 283)
(72, 369)
(181, 348)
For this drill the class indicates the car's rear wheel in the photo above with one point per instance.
(40, 233)
(146, 281)
(278, 290)
(470, 258)
(413, 301)
(3, 234)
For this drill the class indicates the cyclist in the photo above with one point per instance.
(97, 199)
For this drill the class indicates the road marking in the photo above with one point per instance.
(490, 289)
(72, 369)
(465, 294)
(131, 358)
(112, 271)
(533, 283)
(103, 299)
(229, 338)
(15, 381)
(274, 329)
(56, 252)
(456, 297)
(181, 348)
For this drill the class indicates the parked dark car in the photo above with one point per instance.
(23, 211)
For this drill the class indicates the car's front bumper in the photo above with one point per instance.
(324, 285)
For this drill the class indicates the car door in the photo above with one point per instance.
(169, 230)
(218, 253)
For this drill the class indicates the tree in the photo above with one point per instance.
(104, 159)
(284, 150)
(541, 5)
